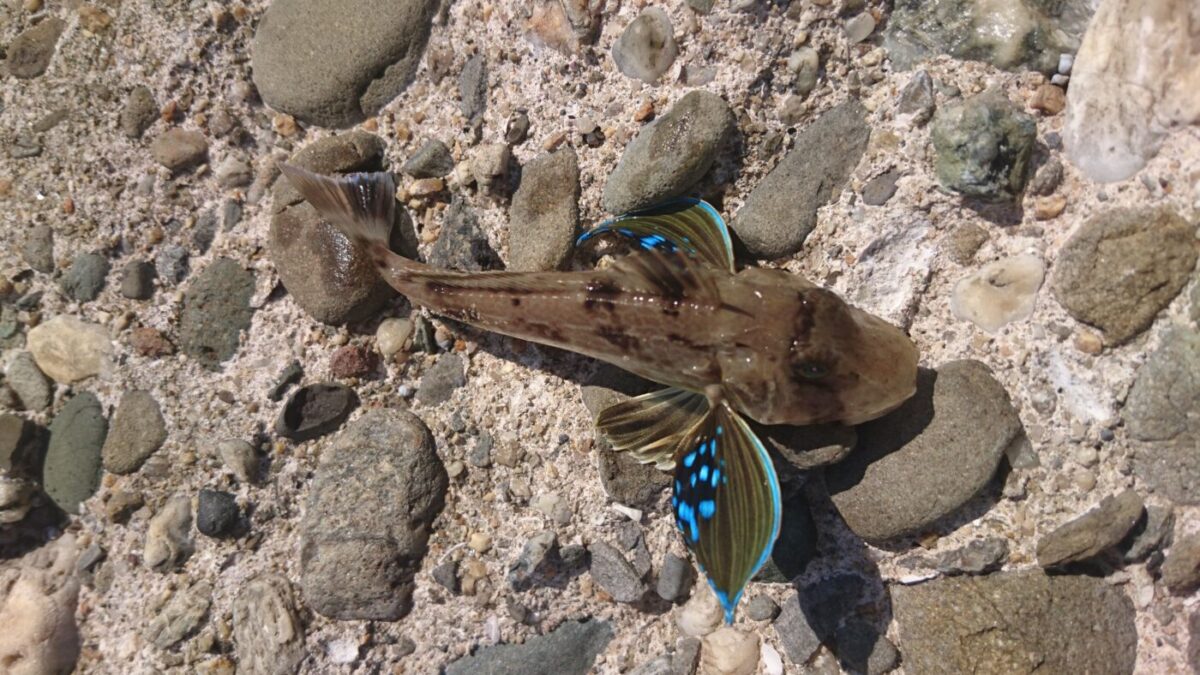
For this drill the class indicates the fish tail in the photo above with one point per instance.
(361, 205)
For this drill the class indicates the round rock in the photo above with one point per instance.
(137, 280)
(84, 279)
(646, 48)
(217, 513)
(31, 386)
(72, 470)
(137, 431)
(179, 149)
(315, 410)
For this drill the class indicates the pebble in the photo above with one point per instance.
(217, 513)
(168, 535)
(781, 210)
(38, 251)
(352, 361)
(543, 220)
(674, 578)
(516, 129)
(1181, 569)
(805, 65)
(234, 171)
(624, 479)
(701, 614)
(1140, 275)
(761, 608)
(1049, 99)
(646, 48)
(72, 467)
(983, 147)
(137, 280)
(179, 149)
(440, 381)
(291, 374)
(999, 293)
(37, 609)
(121, 505)
(180, 618)
(29, 53)
(878, 190)
(446, 575)
(68, 349)
(964, 241)
(860, 27)
(231, 214)
(614, 574)
(914, 467)
(729, 651)
(1047, 179)
(315, 410)
(569, 649)
(480, 454)
(392, 336)
(1159, 414)
(1092, 533)
(239, 458)
(84, 279)
(367, 58)
(489, 166)
(861, 648)
(1073, 623)
(150, 343)
(33, 389)
(137, 431)
(431, 160)
(479, 542)
(462, 244)
(916, 99)
(1149, 535)
(1049, 208)
(171, 263)
(267, 629)
(216, 309)
(473, 87)
(364, 532)
(796, 635)
(537, 553)
(139, 112)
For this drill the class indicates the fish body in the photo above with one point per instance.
(759, 343)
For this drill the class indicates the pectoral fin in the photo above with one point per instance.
(649, 427)
(690, 226)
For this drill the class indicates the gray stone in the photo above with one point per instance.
(687, 656)
(761, 608)
(805, 64)
(481, 452)
(179, 149)
(216, 309)
(364, 534)
(1123, 266)
(72, 469)
(1092, 533)
(22, 448)
(29, 54)
(139, 112)
(431, 160)
(137, 280)
(516, 130)
(239, 457)
(84, 279)
(38, 251)
(810, 446)
(670, 155)
(1150, 534)
(267, 630)
(702, 6)
(315, 410)
(446, 575)
(796, 635)
(462, 244)
(231, 214)
(137, 431)
(1162, 412)
(860, 27)
(205, 231)
(234, 171)
(168, 535)
(984, 145)
(796, 545)
(1181, 570)
(544, 219)
(1015, 622)
(217, 513)
(964, 241)
(878, 190)
(674, 579)
(624, 478)
(781, 210)
(539, 549)
(33, 389)
(614, 574)
(979, 556)
(658, 666)
(861, 648)
(180, 618)
(646, 48)
(171, 263)
(916, 99)
(331, 279)
(291, 374)
(439, 382)
(923, 461)
(570, 649)
(473, 87)
(369, 54)
(1047, 179)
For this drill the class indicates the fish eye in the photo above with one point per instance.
(812, 370)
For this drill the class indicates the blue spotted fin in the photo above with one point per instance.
(650, 427)
(726, 502)
(689, 225)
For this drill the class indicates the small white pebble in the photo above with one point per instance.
(342, 651)
(392, 335)
(629, 512)
(772, 662)
(480, 542)
(1065, 63)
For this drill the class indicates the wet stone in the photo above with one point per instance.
(84, 279)
(72, 469)
(216, 309)
(315, 410)
(137, 280)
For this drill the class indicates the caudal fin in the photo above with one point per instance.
(361, 205)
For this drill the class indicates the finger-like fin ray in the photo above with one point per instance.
(690, 226)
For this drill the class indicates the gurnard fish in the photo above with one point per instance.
(759, 343)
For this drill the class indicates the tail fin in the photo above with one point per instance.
(361, 205)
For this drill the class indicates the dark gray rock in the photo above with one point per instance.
(473, 87)
(1015, 622)
(231, 214)
(781, 210)
(446, 575)
(878, 190)
(646, 48)
(929, 457)
(810, 446)
(216, 309)
(569, 649)
(539, 550)
(796, 635)
(292, 373)
(267, 629)
(516, 130)
(916, 99)
(139, 112)
(22, 448)
(1092, 533)
(481, 452)
(544, 219)
(72, 470)
(315, 410)
(614, 574)
(204, 232)
(171, 263)
(979, 556)
(365, 532)
(33, 389)
(796, 545)
(1047, 179)
(439, 382)
(1181, 570)
(368, 55)
(137, 280)
(137, 431)
(674, 579)
(179, 149)
(1122, 267)
(1150, 534)
(462, 244)
(670, 155)
(861, 648)
(84, 279)
(1162, 413)
(624, 478)
(217, 513)
(38, 251)
(984, 145)
(761, 608)
(431, 160)
(29, 54)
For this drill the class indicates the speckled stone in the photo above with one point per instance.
(137, 431)
(72, 470)
(216, 309)
(544, 219)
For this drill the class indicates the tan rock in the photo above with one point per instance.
(68, 349)
(1000, 292)
(38, 595)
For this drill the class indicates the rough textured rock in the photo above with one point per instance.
(1181, 571)
(782, 209)
(796, 635)
(1163, 413)
(984, 145)
(670, 155)
(168, 535)
(216, 309)
(1136, 76)
(38, 251)
(368, 55)
(72, 470)
(180, 618)
(315, 410)
(217, 513)
(646, 48)
(363, 536)
(929, 457)
(1122, 267)
(809, 446)
(84, 279)
(1015, 622)
(473, 86)
(431, 160)
(69, 350)
(916, 100)
(1092, 533)
(613, 573)
(569, 649)
(31, 386)
(30, 52)
(878, 190)
(267, 630)
(544, 218)
(139, 112)
(462, 244)
(179, 149)
(137, 280)
(38, 598)
(1000, 292)
(674, 579)
(137, 431)
(624, 478)
(440, 381)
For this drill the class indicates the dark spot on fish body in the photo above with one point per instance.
(602, 288)
(592, 305)
(736, 310)
(516, 302)
(617, 337)
(438, 288)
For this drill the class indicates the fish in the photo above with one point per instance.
(730, 346)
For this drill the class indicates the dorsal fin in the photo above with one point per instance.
(671, 275)
(692, 226)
